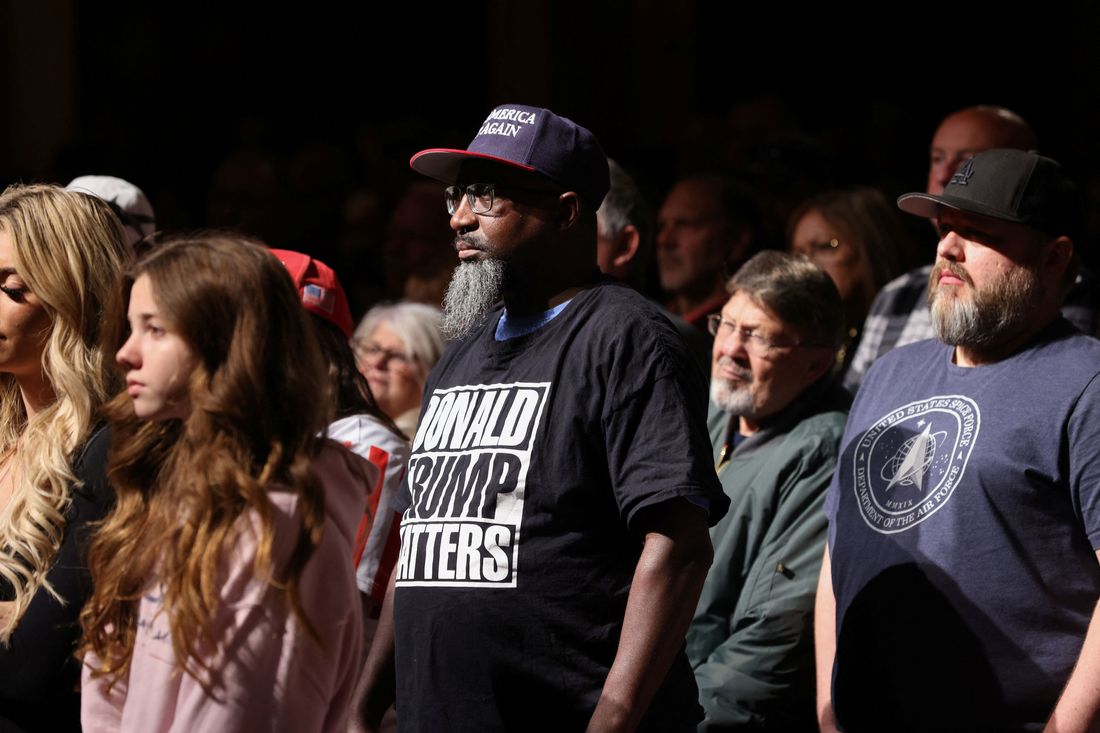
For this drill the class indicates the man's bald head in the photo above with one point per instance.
(969, 131)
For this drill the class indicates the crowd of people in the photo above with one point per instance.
(607, 467)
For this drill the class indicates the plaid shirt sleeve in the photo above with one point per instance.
(898, 316)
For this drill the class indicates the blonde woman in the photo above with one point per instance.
(61, 254)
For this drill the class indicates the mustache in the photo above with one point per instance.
(954, 268)
(742, 373)
(469, 242)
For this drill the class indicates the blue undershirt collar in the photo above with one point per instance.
(510, 327)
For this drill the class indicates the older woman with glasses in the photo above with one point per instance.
(396, 345)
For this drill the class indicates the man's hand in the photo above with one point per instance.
(1078, 710)
(377, 684)
(667, 581)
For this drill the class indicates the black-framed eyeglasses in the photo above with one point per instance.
(480, 196)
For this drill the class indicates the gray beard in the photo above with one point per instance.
(989, 316)
(475, 286)
(734, 401)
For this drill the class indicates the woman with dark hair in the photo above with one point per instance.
(224, 594)
(61, 254)
(854, 235)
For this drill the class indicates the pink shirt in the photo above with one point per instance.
(274, 675)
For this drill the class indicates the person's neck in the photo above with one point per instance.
(36, 391)
(971, 356)
(542, 291)
(530, 303)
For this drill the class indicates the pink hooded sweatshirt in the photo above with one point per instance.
(274, 676)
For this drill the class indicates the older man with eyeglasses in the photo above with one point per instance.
(776, 420)
(554, 536)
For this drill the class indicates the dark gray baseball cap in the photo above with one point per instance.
(1011, 185)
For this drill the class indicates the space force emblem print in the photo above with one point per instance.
(467, 477)
(907, 464)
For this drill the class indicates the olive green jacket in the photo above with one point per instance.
(751, 640)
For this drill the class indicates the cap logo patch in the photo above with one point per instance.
(963, 174)
(319, 297)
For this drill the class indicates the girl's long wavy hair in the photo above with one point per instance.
(69, 249)
(186, 489)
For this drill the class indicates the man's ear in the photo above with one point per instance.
(822, 360)
(626, 246)
(569, 210)
(1060, 253)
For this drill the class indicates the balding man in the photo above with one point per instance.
(965, 133)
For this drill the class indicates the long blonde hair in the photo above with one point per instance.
(259, 398)
(69, 248)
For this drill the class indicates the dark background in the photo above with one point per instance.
(332, 100)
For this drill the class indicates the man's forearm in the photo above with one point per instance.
(1078, 709)
(666, 585)
(375, 693)
(825, 645)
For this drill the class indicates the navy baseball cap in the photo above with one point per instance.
(1011, 185)
(533, 140)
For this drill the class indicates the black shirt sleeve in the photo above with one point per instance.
(655, 423)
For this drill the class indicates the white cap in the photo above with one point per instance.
(126, 199)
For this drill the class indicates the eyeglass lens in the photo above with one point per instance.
(480, 196)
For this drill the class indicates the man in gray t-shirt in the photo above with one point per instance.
(961, 573)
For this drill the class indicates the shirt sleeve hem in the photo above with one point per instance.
(679, 492)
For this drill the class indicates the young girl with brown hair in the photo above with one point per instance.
(224, 591)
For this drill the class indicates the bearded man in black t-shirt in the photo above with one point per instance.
(555, 509)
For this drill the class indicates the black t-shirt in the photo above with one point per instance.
(39, 674)
(534, 458)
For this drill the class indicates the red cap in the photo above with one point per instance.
(318, 288)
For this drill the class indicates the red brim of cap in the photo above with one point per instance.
(443, 164)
